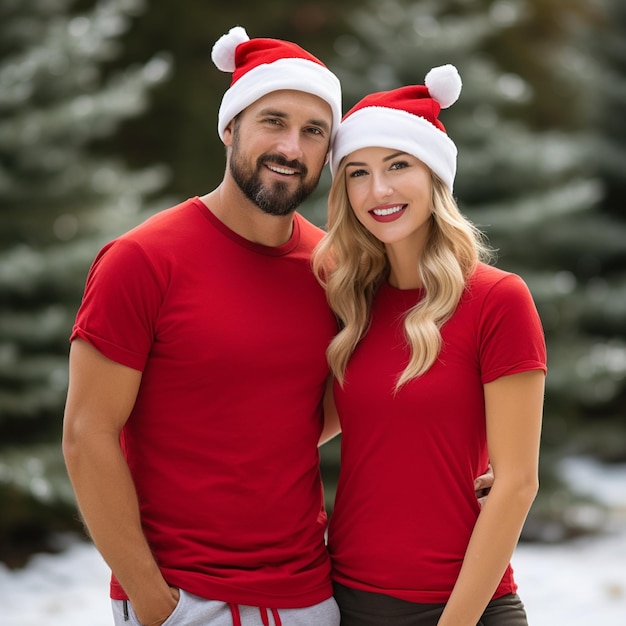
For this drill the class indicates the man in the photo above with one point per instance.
(197, 368)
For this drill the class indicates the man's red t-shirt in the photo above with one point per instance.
(222, 442)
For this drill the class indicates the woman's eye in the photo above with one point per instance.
(398, 165)
(357, 173)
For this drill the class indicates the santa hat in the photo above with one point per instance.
(405, 119)
(261, 66)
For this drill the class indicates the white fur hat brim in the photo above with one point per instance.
(398, 130)
(288, 73)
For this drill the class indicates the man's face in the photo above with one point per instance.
(279, 145)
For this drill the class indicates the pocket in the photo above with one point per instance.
(178, 611)
(124, 614)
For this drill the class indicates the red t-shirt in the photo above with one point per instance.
(405, 505)
(222, 441)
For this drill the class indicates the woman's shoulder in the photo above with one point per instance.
(487, 279)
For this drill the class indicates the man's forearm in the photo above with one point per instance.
(108, 503)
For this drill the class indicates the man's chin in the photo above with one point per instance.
(277, 210)
(279, 204)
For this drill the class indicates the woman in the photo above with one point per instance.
(439, 368)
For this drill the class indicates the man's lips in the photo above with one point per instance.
(283, 171)
(388, 213)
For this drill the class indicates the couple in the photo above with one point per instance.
(200, 357)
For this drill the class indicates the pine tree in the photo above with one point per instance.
(525, 173)
(59, 201)
(600, 271)
(606, 43)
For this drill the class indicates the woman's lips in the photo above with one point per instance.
(388, 213)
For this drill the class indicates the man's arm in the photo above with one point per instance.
(483, 484)
(332, 426)
(100, 398)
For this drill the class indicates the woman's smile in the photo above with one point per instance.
(388, 213)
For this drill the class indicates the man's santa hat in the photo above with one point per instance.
(405, 119)
(261, 66)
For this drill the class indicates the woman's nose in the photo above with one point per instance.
(381, 187)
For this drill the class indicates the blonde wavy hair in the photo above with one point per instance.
(350, 263)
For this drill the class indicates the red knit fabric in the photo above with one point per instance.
(222, 441)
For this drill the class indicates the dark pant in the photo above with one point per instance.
(363, 608)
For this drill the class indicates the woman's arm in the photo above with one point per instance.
(332, 426)
(514, 407)
(100, 398)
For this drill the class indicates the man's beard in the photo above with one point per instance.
(275, 199)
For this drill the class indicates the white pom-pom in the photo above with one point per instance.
(223, 53)
(444, 85)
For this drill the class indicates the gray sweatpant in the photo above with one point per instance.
(195, 611)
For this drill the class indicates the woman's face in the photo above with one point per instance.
(390, 193)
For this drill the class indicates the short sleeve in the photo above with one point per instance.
(511, 334)
(120, 305)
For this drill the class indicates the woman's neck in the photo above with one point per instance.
(404, 267)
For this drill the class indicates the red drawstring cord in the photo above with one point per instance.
(234, 611)
(265, 618)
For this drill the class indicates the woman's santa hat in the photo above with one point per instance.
(405, 119)
(261, 66)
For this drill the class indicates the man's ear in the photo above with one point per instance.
(327, 158)
(228, 134)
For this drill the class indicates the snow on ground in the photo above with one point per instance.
(572, 584)
(581, 583)
(68, 589)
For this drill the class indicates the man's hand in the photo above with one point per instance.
(155, 616)
(482, 485)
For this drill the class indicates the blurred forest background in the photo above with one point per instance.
(108, 113)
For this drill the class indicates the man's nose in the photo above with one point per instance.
(290, 145)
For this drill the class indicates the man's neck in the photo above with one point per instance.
(243, 217)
